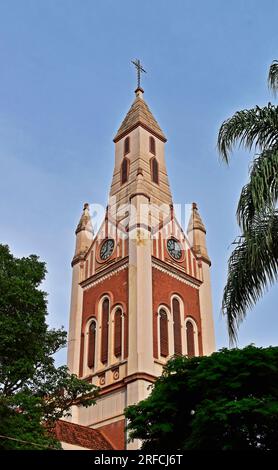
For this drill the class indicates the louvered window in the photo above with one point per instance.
(152, 145)
(154, 170)
(126, 146)
(92, 344)
(163, 320)
(177, 327)
(124, 171)
(190, 339)
(118, 333)
(104, 331)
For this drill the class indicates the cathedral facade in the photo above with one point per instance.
(141, 289)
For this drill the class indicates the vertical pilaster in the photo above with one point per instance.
(84, 236)
(74, 336)
(206, 311)
(140, 357)
(197, 237)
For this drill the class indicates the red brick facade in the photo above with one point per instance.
(164, 287)
(116, 287)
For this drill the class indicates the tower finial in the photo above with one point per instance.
(195, 221)
(85, 222)
(140, 69)
(84, 234)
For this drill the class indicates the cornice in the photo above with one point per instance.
(141, 124)
(176, 273)
(105, 274)
(120, 384)
(77, 258)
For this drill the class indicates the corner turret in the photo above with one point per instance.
(197, 235)
(84, 234)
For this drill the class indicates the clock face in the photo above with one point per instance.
(174, 248)
(106, 249)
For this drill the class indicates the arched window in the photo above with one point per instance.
(104, 331)
(152, 145)
(92, 344)
(118, 333)
(177, 327)
(126, 146)
(124, 171)
(154, 170)
(163, 326)
(190, 339)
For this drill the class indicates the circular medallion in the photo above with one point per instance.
(102, 380)
(174, 248)
(116, 374)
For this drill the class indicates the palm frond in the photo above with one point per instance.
(261, 193)
(250, 127)
(253, 265)
(273, 76)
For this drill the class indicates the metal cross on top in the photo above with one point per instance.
(139, 70)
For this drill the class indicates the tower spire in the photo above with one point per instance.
(139, 114)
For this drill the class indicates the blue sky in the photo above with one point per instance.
(66, 82)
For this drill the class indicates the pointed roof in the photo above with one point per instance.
(85, 220)
(139, 115)
(195, 221)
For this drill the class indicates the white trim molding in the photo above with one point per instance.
(174, 275)
(105, 276)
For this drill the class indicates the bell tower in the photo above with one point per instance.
(141, 286)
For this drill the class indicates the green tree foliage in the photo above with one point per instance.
(253, 265)
(33, 392)
(226, 401)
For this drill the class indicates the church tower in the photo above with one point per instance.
(141, 286)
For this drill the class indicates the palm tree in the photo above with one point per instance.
(253, 265)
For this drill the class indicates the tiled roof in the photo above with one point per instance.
(139, 114)
(82, 436)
